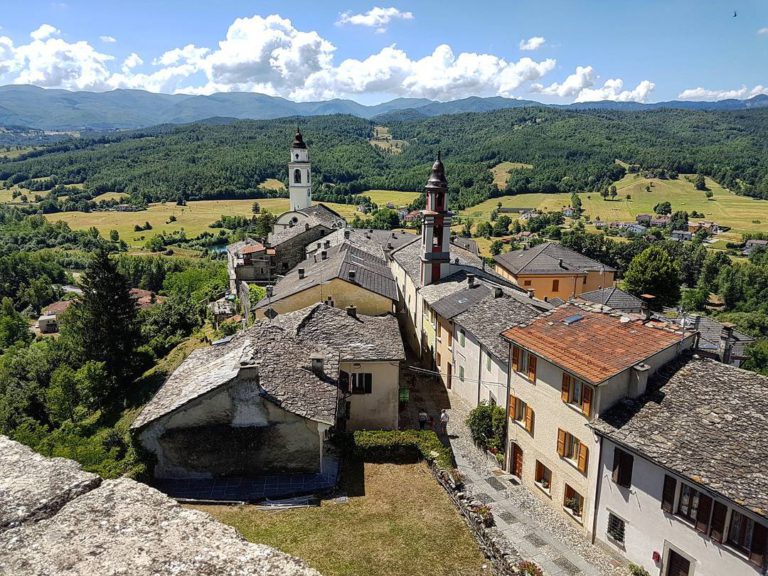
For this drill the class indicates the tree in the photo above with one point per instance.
(484, 230)
(13, 326)
(663, 208)
(496, 247)
(102, 326)
(679, 220)
(604, 193)
(629, 197)
(255, 208)
(613, 192)
(576, 204)
(654, 272)
(114, 236)
(709, 194)
(700, 183)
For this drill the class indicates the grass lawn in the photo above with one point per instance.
(272, 184)
(381, 197)
(110, 196)
(501, 172)
(401, 524)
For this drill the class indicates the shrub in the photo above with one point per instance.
(486, 424)
(636, 570)
(529, 568)
(398, 445)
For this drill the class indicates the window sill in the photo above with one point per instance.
(573, 515)
(573, 463)
(521, 424)
(615, 541)
(576, 408)
(547, 491)
(524, 376)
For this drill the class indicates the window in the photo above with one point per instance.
(555, 285)
(616, 528)
(668, 494)
(524, 363)
(462, 336)
(461, 373)
(362, 383)
(543, 476)
(570, 448)
(576, 393)
(526, 282)
(695, 507)
(297, 176)
(522, 414)
(622, 467)
(749, 537)
(573, 501)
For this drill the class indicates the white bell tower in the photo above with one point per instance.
(299, 174)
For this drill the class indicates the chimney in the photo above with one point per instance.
(389, 245)
(726, 343)
(327, 243)
(638, 380)
(352, 274)
(530, 293)
(301, 273)
(346, 234)
(560, 263)
(471, 280)
(352, 311)
(316, 361)
(498, 292)
(306, 226)
(647, 305)
(248, 370)
(323, 255)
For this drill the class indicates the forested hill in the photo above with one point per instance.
(569, 150)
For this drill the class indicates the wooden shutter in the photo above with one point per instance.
(565, 388)
(532, 368)
(702, 514)
(668, 494)
(718, 521)
(583, 457)
(368, 383)
(627, 462)
(561, 442)
(586, 400)
(515, 358)
(512, 407)
(759, 544)
(528, 419)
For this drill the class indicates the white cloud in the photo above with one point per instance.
(571, 86)
(738, 93)
(376, 17)
(763, 31)
(108, 39)
(131, 62)
(45, 31)
(580, 87)
(533, 43)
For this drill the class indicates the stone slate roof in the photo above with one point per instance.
(613, 298)
(317, 215)
(371, 273)
(546, 259)
(72, 523)
(710, 330)
(372, 241)
(705, 420)
(281, 349)
(595, 347)
(467, 244)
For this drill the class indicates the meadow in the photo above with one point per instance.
(382, 197)
(501, 172)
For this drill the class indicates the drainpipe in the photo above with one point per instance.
(597, 491)
(479, 372)
(508, 391)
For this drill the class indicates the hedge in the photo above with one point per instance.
(399, 446)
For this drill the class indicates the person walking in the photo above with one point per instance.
(444, 417)
(423, 417)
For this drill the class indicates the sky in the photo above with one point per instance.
(555, 51)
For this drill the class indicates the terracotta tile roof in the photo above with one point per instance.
(596, 346)
(57, 307)
(258, 247)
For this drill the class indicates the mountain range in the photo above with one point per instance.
(62, 110)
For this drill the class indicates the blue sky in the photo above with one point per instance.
(558, 51)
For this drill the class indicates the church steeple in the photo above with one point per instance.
(436, 227)
(299, 174)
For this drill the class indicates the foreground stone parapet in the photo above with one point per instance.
(118, 527)
(33, 487)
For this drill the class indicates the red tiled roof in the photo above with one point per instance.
(58, 307)
(594, 348)
(258, 247)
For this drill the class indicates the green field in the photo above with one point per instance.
(501, 172)
(741, 213)
(382, 197)
(110, 196)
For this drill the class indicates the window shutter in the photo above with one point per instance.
(718, 521)
(515, 358)
(668, 494)
(565, 388)
(625, 476)
(368, 383)
(583, 457)
(759, 544)
(561, 442)
(512, 406)
(532, 368)
(586, 401)
(702, 515)
(616, 473)
(529, 419)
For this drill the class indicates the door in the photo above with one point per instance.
(450, 374)
(517, 461)
(677, 565)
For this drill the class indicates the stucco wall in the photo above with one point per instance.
(649, 529)
(232, 431)
(379, 409)
(569, 284)
(342, 293)
(480, 384)
(444, 345)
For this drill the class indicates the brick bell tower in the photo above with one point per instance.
(435, 227)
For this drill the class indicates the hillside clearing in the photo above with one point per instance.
(382, 197)
(501, 172)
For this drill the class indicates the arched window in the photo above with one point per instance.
(297, 176)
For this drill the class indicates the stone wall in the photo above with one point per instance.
(57, 519)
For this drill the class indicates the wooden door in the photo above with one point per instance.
(517, 461)
(677, 565)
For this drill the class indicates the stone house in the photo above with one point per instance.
(681, 235)
(567, 367)
(681, 483)
(265, 401)
(751, 245)
(553, 271)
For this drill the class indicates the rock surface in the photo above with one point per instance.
(114, 528)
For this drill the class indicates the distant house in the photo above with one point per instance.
(615, 299)
(49, 321)
(145, 298)
(660, 221)
(412, 216)
(752, 245)
(634, 228)
(706, 225)
(391, 205)
(264, 402)
(681, 235)
(568, 212)
(551, 270)
(644, 219)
